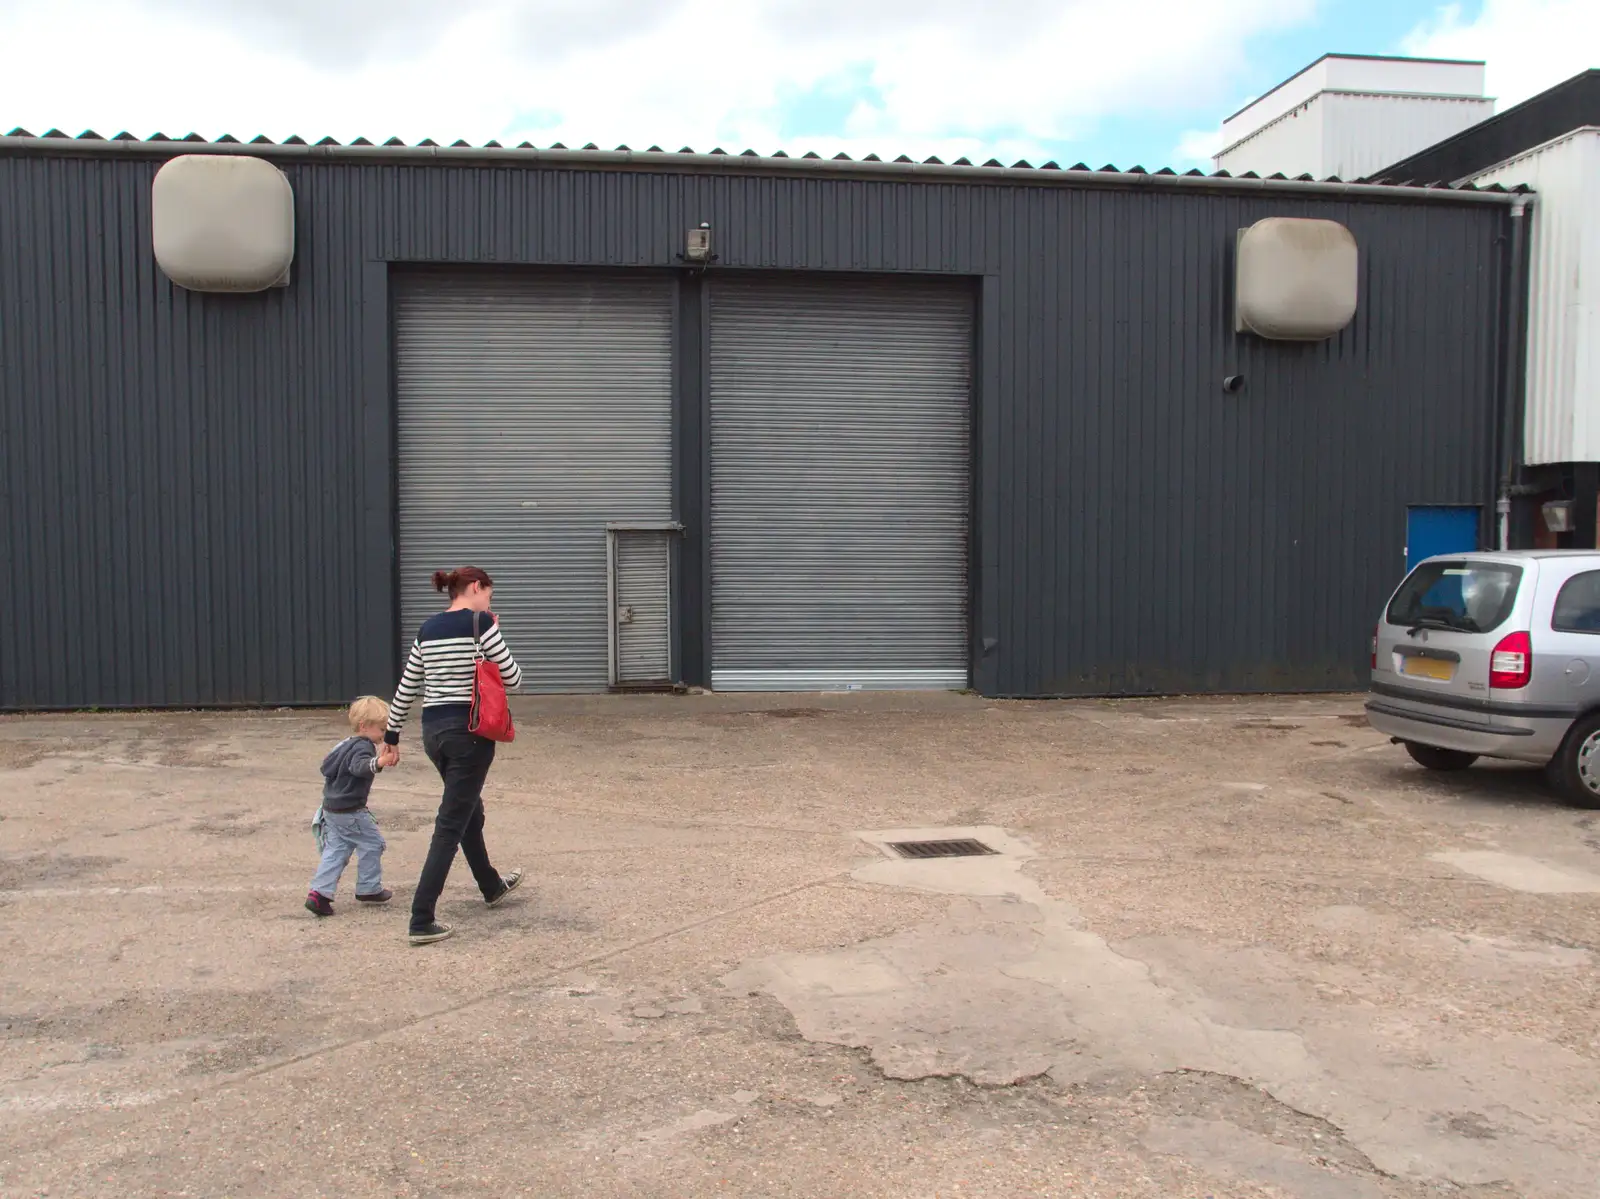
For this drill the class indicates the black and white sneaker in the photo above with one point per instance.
(512, 881)
(428, 934)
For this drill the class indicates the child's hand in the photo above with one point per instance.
(389, 756)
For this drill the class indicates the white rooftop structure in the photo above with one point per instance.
(1348, 115)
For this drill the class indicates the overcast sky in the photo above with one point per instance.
(1122, 81)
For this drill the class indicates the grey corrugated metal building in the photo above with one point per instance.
(914, 424)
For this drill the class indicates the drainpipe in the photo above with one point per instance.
(1514, 392)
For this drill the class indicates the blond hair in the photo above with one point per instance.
(368, 709)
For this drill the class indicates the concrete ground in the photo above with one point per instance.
(1227, 948)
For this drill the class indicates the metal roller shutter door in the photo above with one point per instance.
(532, 411)
(840, 416)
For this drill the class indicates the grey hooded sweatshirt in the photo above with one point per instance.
(347, 774)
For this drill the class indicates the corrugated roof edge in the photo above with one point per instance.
(1569, 135)
(1441, 97)
(159, 145)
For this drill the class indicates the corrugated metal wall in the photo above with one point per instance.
(186, 478)
(1562, 413)
(1365, 133)
(198, 489)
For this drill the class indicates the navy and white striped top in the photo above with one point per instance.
(441, 667)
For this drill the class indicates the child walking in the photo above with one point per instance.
(343, 824)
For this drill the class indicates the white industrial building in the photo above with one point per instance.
(1563, 343)
(1348, 115)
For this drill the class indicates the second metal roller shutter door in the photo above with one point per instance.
(840, 416)
(532, 411)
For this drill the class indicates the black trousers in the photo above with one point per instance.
(463, 760)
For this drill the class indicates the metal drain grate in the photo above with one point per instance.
(940, 849)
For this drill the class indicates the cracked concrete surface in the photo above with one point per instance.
(1240, 1156)
(1238, 948)
(1009, 985)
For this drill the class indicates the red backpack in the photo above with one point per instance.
(491, 715)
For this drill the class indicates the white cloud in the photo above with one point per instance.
(1197, 147)
(1528, 45)
(943, 76)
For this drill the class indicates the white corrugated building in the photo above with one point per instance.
(1562, 421)
(1551, 144)
(1347, 115)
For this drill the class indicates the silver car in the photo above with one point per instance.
(1495, 655)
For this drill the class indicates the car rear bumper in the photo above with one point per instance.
(1490, 736)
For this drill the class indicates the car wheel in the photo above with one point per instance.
(1575, 770)
(1435, 758)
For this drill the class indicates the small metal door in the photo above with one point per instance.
(639, 574)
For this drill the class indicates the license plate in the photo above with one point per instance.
(1430, 668)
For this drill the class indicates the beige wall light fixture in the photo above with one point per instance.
(223, 223)
(1295, 279)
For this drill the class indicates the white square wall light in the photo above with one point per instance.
(1295, 279)
(221, 222)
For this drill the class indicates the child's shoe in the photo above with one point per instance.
(383, 896)
(318, 904)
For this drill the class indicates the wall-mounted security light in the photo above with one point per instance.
(1558, 516)
(697, 246)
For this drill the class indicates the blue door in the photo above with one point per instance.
(1433, 531)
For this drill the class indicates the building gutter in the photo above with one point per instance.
(1513, 386)
(690, 163)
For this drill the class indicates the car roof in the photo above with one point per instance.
(1522, 555)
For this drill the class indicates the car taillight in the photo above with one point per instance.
(1374, 649)
(1511, 663)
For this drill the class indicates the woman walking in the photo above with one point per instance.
(441, 667)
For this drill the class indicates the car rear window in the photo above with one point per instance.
(1471, 596)
(1578, 604)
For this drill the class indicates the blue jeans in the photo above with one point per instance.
(347, 833)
